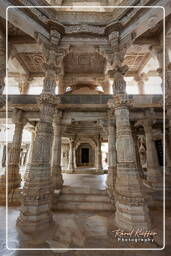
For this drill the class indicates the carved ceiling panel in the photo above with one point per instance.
(134, 61)
(84, 63)
(33, 61)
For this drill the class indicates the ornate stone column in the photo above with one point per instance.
(140, 79)
(154, 176)
(131, 209)
(112, 169)
(29, 157)
(99, 167)
(14, 177)
(35, 213)
(71, 156)
(56, 151)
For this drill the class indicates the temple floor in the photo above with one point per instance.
(78, 228)
(85, 180)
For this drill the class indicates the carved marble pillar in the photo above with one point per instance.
(99, 167)
(140, 79)
(131, 209)
(14, 177)
(154, 176)
(35, 213)
(29, 157)
(56, 151)
(71, 156)
(112, 169)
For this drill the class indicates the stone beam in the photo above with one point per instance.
(68, 117)
(148, 20)
(22, 21)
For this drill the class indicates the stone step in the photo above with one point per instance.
(91, 206)
(83, 190)
(84, 198)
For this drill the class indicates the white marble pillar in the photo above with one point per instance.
(131, 209)
(35, 213)
(99, 167)
(112, 169)
(56, 151)
(71, 156)
(13, 167)
(29, 155)
(154, 175)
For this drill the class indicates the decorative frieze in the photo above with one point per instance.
(84, 28)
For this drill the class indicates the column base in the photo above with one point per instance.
(14, 192)
(69, 171)
(129, 217)
(33, 224)
(99, 171)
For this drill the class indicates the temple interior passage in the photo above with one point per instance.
(85, 127)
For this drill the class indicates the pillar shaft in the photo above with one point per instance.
(35, 211)
(71, 156)
(131, 210)
(153, 168)
(99, 156)
(30, 152)
(111, 177)
(56, 151)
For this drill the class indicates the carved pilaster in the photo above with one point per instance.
(56, 151)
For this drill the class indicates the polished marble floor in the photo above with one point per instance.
(79, 229)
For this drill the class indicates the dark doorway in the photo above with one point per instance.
(159, 147)
(85, 155)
